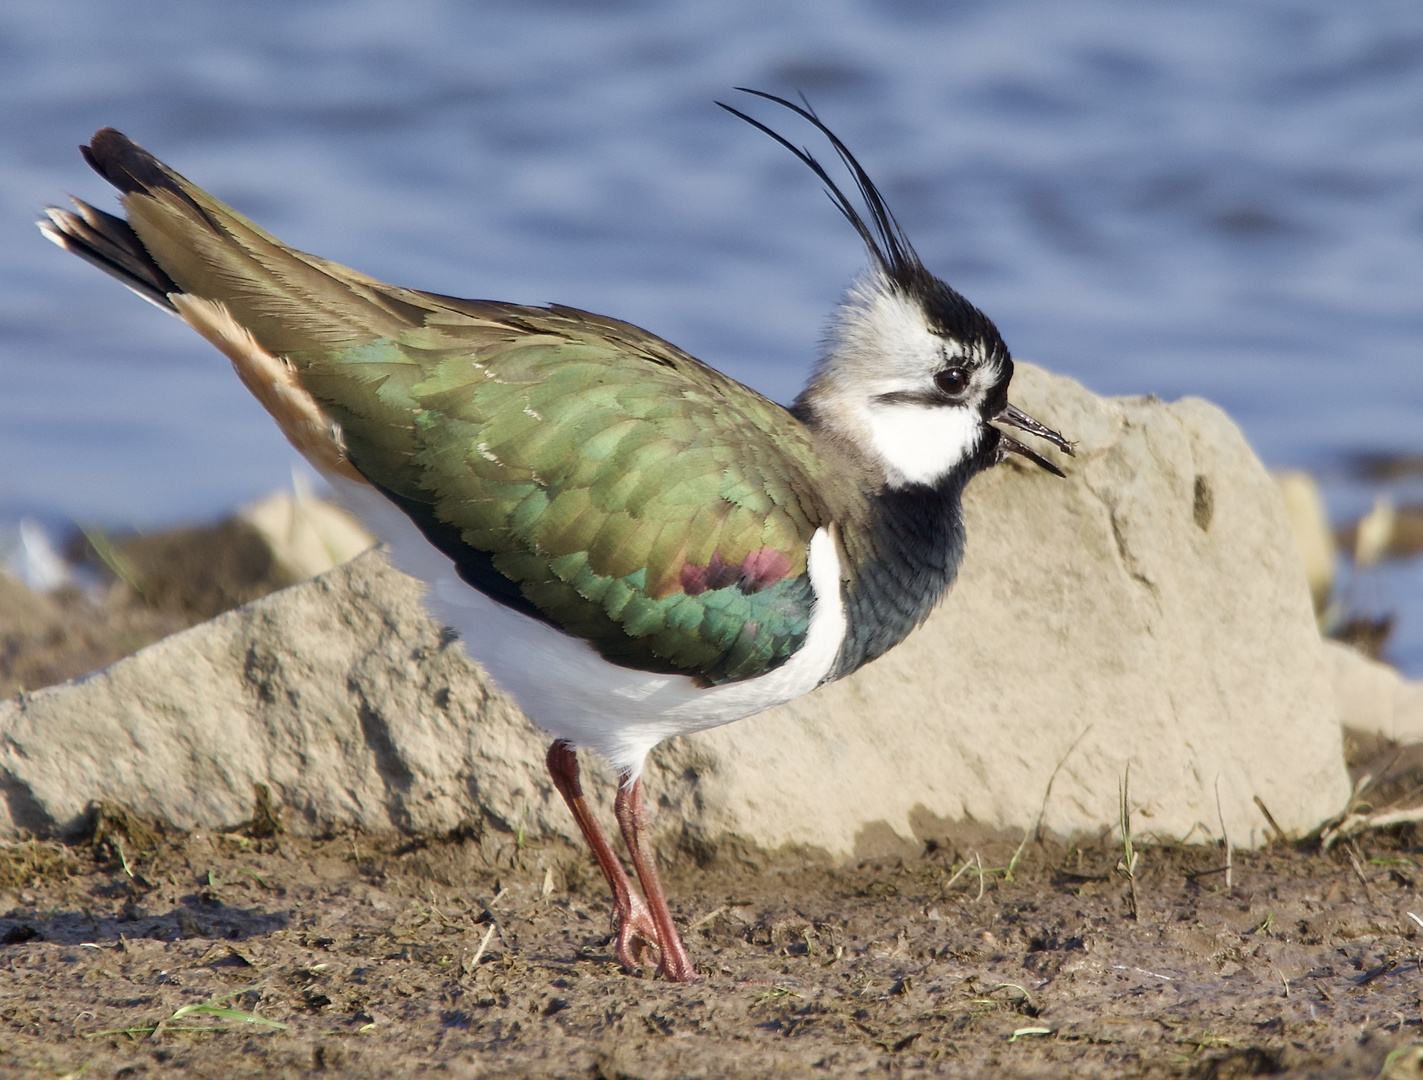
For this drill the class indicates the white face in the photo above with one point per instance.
(877, 385)
(919, 444)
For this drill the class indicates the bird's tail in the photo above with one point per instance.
(271, 309)
(109, 243)
(179, 239)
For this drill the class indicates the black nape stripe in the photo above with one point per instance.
(926, 398)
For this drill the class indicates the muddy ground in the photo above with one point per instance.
(484, 956)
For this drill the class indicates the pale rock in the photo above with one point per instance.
(1151, 610)
(1309, 522)
(1372, 697)
(1373, 537)
(306, 535)
(339, 694)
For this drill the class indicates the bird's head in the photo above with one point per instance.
(913, 375)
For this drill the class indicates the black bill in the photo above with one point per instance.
(1015, 417)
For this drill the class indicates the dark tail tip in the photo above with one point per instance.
(125, 164)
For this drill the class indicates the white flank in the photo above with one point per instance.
(566, 687)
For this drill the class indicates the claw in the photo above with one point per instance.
(637, 934)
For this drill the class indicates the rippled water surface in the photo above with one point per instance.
(1184, 197)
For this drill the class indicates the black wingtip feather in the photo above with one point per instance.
(133, 170)
(125, 164)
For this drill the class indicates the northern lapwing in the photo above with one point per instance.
(633, 544)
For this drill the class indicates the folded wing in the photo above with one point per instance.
(575, 467)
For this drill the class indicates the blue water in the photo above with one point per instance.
(1176, 197)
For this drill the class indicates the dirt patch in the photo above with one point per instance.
(142, 588)
(470, 956)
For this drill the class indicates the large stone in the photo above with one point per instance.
(339, 694)
(1149, 612)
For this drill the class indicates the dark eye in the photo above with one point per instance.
(952, 381)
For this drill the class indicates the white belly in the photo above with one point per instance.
(565, 686)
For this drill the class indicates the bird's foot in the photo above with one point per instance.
(676, 965)
(638, 944)
(637, 934)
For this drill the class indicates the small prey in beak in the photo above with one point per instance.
(1017, 418)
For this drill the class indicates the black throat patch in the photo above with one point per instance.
(904, 562)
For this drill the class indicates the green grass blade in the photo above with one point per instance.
(225, 1013)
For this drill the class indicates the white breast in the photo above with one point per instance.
(565, 686)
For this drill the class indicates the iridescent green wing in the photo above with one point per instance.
(575, 467)
(627, 493)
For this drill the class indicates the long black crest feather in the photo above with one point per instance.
(886, 241)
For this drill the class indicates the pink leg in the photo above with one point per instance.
(676, 965)
(636, 930)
